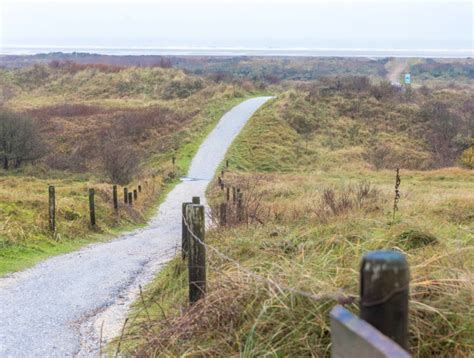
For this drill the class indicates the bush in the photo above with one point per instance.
(19, 139)
(120, 162)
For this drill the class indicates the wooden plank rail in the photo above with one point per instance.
(354, 337)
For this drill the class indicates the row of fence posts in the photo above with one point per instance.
(237, 199)
(382, 327)
(129, 198)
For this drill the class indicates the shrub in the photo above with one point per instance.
(182, 89)
(19, 139)
(120, 162)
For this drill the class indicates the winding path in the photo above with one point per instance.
(56, 308)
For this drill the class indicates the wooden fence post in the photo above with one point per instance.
(92, 206)
(227, 163)
(240, 208)
(196, 200)
(125, 195)
(173, 160)
(234, 197)
(227, 193)
(184, 231)
(139, 188)
(114, 196)
(384, 289)
(197, 253)
(223, 214)
(130, 199)
(52, 208)
(135, 194)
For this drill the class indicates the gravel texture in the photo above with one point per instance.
(57, 308)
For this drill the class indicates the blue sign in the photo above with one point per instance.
(407, 78)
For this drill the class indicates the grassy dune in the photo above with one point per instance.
(316, 204)
(157, 113)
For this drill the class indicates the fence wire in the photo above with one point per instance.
(338, 297)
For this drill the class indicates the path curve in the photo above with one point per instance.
(54, 308)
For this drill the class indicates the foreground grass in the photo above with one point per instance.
(303, 244)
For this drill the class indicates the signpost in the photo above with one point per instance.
(407, 78)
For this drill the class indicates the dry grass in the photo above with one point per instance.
(313, 241)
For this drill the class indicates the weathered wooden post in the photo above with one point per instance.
(173, 160)
(139, 188)
(234, 195)
(184, 231)
(130, 199)
(125, 195)
(92, 206)
(196, 200)
(223, 214)
(227, 194)
(197, 252)
(135, 194)
(52, 208)
(240, 207)
(384, 289)
(227, 163)
(114, 196)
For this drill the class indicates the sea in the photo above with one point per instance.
(244, 51)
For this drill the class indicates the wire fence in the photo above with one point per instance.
(339, 297)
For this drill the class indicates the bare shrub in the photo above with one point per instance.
(19, 139)
(120, 162)
(334, 202)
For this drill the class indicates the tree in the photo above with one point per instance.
(19, 139)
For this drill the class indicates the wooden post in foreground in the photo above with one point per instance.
(52, 208)
(139, 188)
(196, 200)
(197, 253)
(223, 214)
(135, 194)
(384, 288)
(114, 196)
(184, 231)
(92, 206)
(227, 194)
(125, 195)
(130, 199)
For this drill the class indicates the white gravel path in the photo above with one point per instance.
(56, 308)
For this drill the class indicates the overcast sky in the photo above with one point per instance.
(257, 23)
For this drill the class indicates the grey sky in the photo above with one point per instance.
(356, 24)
